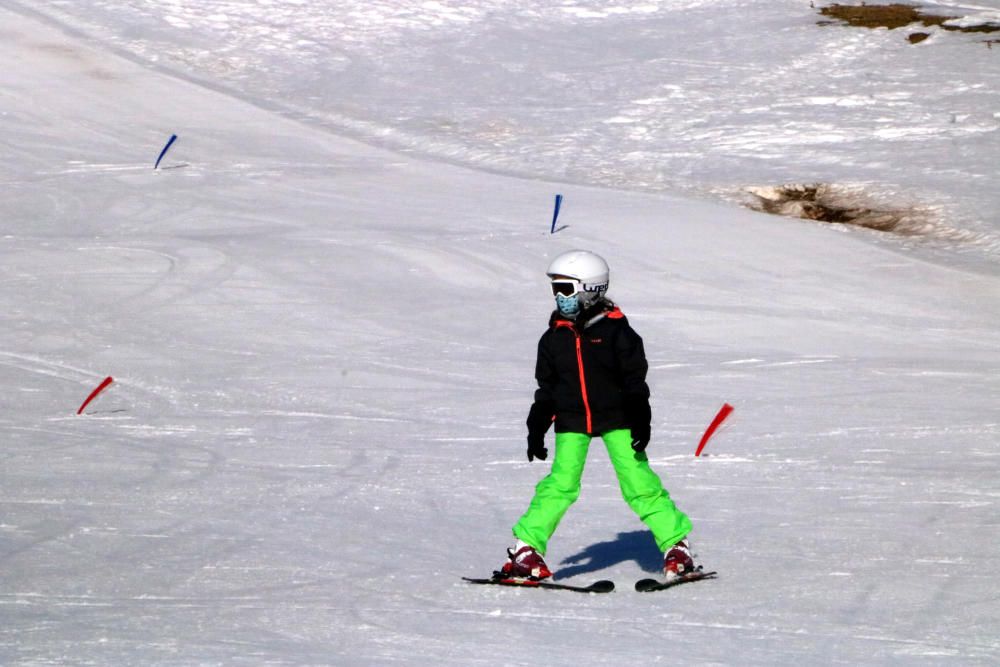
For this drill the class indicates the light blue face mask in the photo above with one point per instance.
(569, 306)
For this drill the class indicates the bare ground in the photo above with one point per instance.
(897, 15)
(838, 204)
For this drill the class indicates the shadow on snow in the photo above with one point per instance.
(637, 546)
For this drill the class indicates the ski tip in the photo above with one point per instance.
(646, 585)
(602, 586)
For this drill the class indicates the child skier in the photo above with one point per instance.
(591, 372)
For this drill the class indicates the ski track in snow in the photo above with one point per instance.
(323, 351)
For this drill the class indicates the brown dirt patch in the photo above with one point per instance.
(896, 15)
(838, 204)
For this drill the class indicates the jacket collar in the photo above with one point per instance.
(588, 318)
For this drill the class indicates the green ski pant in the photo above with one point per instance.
(640, 486)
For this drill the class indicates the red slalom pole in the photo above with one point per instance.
(719, 418)
(101, 387)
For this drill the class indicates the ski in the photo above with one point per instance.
(602, 586)
(648, 585)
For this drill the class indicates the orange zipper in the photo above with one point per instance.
(583, 382)
(583, 378)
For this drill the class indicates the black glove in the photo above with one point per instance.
(639, 417)
(536, 448)
(539, 419)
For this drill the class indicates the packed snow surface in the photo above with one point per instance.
(321, 313)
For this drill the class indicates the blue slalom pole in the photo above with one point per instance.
(170, 142)
(555, 213)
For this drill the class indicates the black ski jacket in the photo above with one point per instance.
(591, 373)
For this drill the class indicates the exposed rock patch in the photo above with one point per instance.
(835, 204)
(896, 15)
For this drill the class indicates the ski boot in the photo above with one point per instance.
(524, 563)
(678, 561)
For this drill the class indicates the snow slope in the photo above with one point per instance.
(323, 355)
(698, 96)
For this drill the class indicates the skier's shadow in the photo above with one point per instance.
(638, 546)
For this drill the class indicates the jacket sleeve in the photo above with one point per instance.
(545, 374)
(543, 410)
(632, 362)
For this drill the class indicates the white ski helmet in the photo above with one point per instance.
(588, 270)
